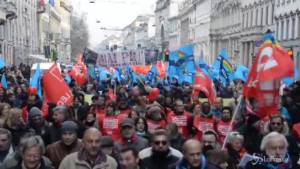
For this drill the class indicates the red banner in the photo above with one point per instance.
(55, 88)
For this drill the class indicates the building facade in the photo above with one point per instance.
(225, 29)
(138, 33)
(257, 18)
(166, 11)
(195, 23)
(287, 26)
(8, 15)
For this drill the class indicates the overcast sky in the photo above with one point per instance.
(111, 14)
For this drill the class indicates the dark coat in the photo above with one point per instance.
(137, 143)
(58, 150)
(162, 162)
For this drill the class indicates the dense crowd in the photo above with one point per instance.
(141, 126)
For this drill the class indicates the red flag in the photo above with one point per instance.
(161, 68)
(263, 83)
(205, 84)
(55, 88)
(79, 72)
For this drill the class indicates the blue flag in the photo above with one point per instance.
(118, 75)
(2, 62)
(290, 80)
(4, 82)
(224, 68)
(68, 79)
(186, 51)
(35, 81)
(52, 2)
(103, 74)
(241, 73)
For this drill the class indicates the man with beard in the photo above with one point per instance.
(181, 118)
(160, 155)
(129, 138)
(223, 126)
(275, 154)
(205, 121)
(68, 144)
(38, 124)
(210, 141)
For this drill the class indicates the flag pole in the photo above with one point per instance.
(237, 108)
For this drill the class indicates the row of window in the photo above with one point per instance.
(258, 16)
(283, 2)
(287, 28)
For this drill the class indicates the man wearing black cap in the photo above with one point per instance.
(68, 144)
(38, 124)
(129, 139)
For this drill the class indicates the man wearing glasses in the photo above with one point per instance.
(160, 155)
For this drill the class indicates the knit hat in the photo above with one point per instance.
(69, 126)
(154, 109)
(107, 141)
(34, 111)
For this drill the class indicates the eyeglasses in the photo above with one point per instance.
(160, 142)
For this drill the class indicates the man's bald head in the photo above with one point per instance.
(190, 144)
(192, 152)
(92, 141)
(91, 131)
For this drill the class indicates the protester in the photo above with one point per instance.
(4, 108)
(141, 128)
(210, 141)
(217, 108)
(217, 159)
(90, 120)
(193, 157)
(38, 124)
(223, 126)
(32, 150)
(129, 159)
(90, 156)
(181, 118)
(60, 114)
(16, 125)
(175, 138)
(110, 121)
(278, 123)
(160, 155)
(155, 118)
(275, 154)
(129, 137)
(6, 149)
(68, 144)
(235, 149)
(205, 121)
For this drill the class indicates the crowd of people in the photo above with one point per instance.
(143, 127)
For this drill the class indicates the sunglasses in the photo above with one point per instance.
(160, 142)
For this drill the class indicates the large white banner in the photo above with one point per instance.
(117, 59)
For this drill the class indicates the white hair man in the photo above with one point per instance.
(275, 147)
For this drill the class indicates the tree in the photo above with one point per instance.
(79, 34)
